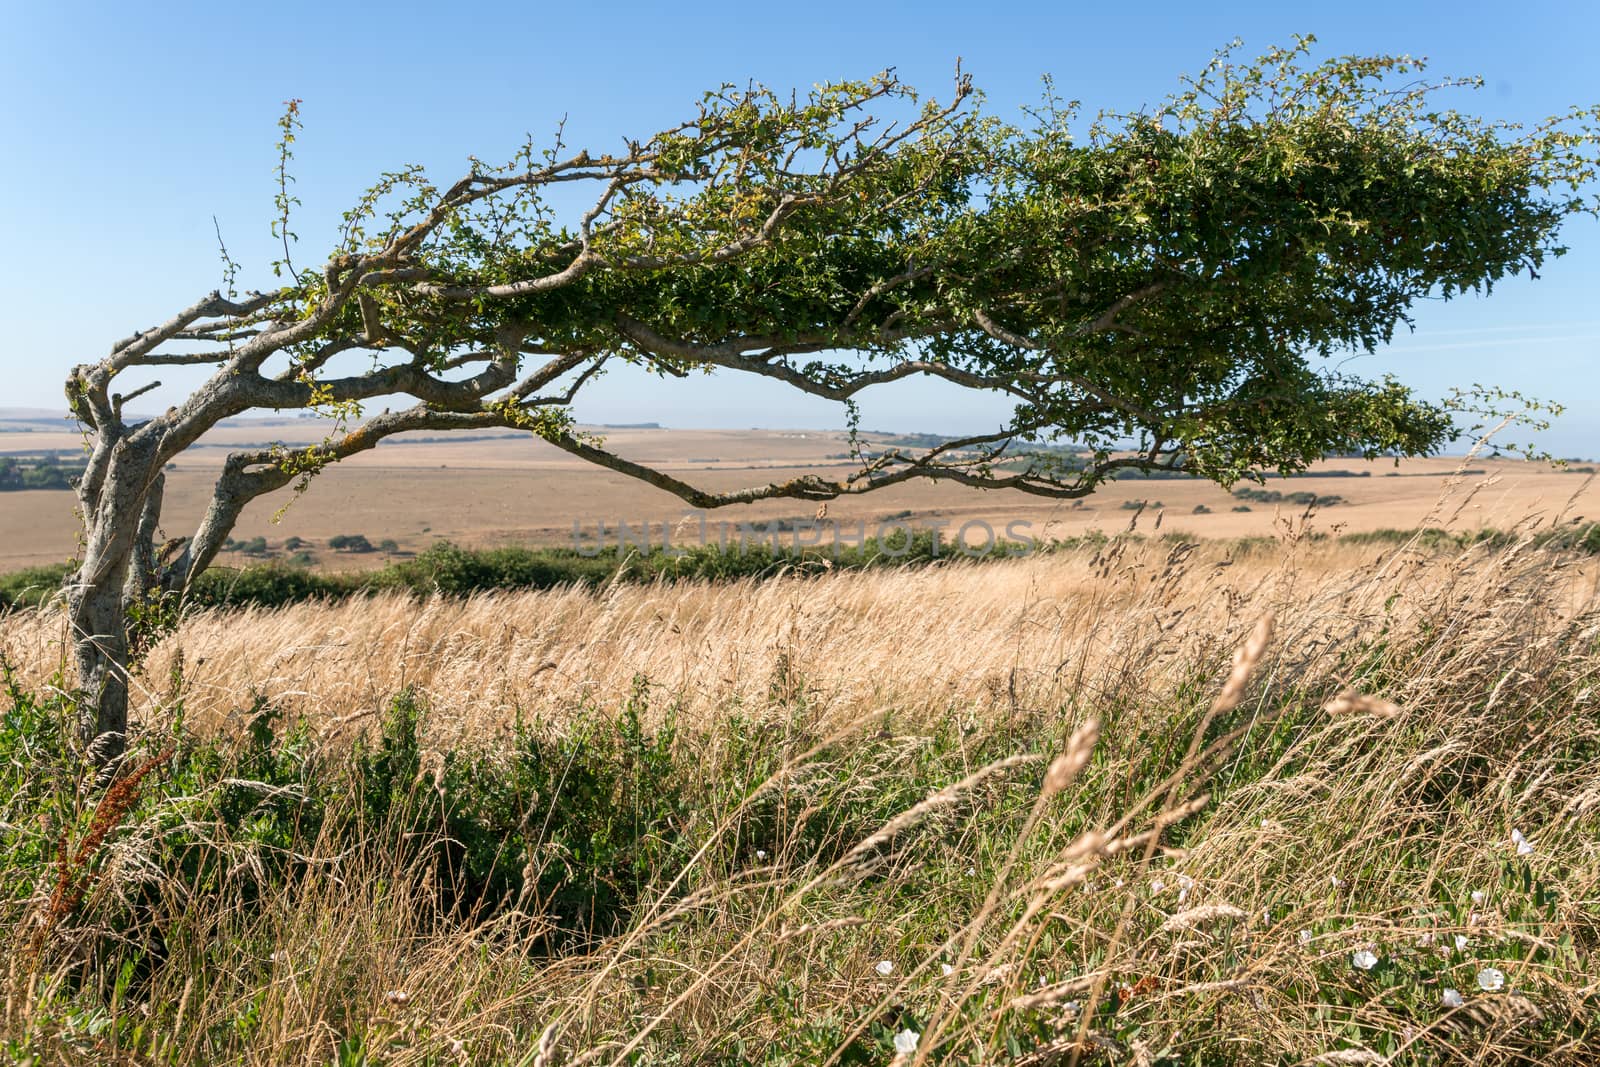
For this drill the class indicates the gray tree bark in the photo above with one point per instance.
(121, 498)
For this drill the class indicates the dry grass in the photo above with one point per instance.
(1098, 859)
(979, 637)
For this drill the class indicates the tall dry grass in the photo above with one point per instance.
(1135, 829)
(980, 636)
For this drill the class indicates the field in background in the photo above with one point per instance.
(498, 489)
(1074, 808)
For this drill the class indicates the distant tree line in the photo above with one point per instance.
(1302, 499)
(34, 472)
(354, 543)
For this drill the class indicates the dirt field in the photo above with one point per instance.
(510, 489)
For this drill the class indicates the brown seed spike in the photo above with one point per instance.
(1065, 767)
(1245, 661)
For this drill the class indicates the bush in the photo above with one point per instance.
(272, 585)
(32, 585)
(44, 472)
(350, 543)
(1300, 499)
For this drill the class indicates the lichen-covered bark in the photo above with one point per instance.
(123, 503)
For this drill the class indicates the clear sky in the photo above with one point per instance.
(127, 127)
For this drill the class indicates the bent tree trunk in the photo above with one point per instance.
(121, 495)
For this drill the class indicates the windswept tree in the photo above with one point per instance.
(1160, 288)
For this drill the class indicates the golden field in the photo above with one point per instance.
(507, 488)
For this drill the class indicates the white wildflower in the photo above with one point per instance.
(1461, 942)
(1451, 998)
(946, 970)
(1157, 886)
(761, 854)
(1364, 960)
(397, 997)
(1524, 846)
(885, 968)
(1477, 896)
(1424, 940)
(1491, 979)
(905, 1042)
(1335, 881)
(1305, 937)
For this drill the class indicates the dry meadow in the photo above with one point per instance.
(1152, 802)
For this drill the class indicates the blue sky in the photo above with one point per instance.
(128, 127)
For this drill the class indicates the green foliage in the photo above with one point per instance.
(350, 543)
(44, 472)
(32, 585)
(1173, 276)
(41, 783)
(1301, 499)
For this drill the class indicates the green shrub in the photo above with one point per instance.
(32, 585)
(1300, 499)
(350, 543)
